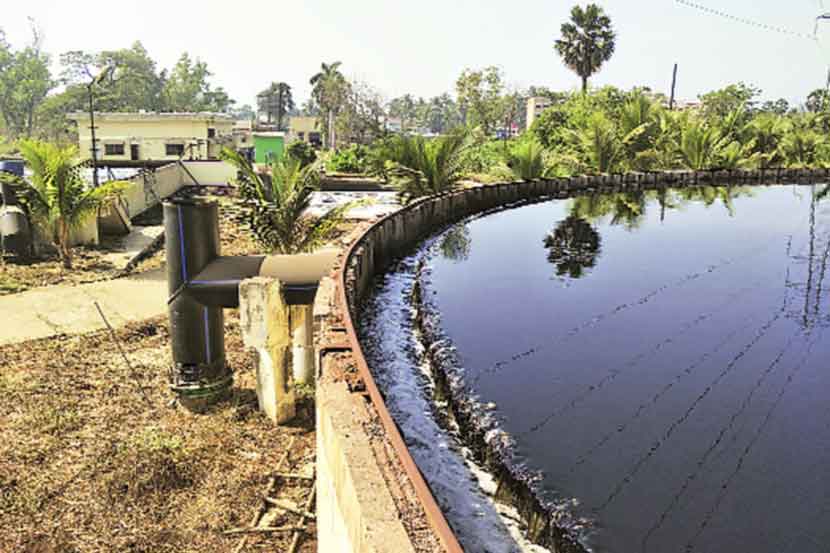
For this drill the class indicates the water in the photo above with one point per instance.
(660, 359)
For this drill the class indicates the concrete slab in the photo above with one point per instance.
(67, 309)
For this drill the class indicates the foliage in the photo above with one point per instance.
(526, 159)
(276, 102)
(24, 83)
(720, 103)
(329, 90)
(302, 152)
(420, 166)
(187, 88)
(479, 97)
(587, 41)
(353, 159)
(275, 208)
(362, 116)
(57, 196)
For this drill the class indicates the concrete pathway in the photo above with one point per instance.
(44, 312)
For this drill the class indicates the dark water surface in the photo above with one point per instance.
(661, 360)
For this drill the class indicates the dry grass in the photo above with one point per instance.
(87, 465)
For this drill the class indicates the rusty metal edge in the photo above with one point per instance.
(433, 512)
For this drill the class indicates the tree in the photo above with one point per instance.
(480, 97)
(187, 88)
(818, 100)
(588, 41)
(720, 103)
(57, 195)
(329, 90)
(276, 102)
(24, 83)
(276, 208)
(441, 114)
(362, 116)
(405, 109)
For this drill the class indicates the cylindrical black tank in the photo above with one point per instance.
(200, 375)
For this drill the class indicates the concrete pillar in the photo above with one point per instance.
(302, 343)
(265, 320)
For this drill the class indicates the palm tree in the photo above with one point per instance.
(57, 195)
(276, 101)
(767, 130)
(526, 159)
(329, 90)
(275, 208)
(587, 41)
(421, 167)
(599, 144)
(699, 145)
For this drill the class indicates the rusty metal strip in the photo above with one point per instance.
(433, 512)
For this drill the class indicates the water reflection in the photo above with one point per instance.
(573, 246)
(455, 245)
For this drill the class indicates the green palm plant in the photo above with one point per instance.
(276, 209)
(526, 159)
(588, 41)
(640, 123)
(767, 130)
(804, 144)
(699, 145)
(421, 167)
(599, 144)
(57, 195)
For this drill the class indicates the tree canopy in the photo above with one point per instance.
(587, 41)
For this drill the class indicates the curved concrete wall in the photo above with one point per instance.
(371, 254)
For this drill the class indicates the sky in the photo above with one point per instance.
(421, 46)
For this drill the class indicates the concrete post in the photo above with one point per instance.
(265, 319)
(302, 342)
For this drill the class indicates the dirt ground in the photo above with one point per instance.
(96, 457)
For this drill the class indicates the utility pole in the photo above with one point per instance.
(673, 83)
(94, 149)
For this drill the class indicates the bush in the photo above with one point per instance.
(302, 152)
(354, 159)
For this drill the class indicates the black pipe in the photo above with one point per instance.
(200, 375)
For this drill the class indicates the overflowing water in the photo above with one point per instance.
(658, 360)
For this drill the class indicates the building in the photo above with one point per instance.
(305, 129)
(125, 138)
(535, 106)
(268, 146)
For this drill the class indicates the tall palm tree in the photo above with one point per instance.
(329, 88)
(57, 195)
(587, 41)
(276, 208)
(276, 101)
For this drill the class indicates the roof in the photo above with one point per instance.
(151, 115)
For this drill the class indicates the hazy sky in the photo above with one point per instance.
(420, 46)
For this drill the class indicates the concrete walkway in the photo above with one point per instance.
(44, 312)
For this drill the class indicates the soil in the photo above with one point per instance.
(95, 456)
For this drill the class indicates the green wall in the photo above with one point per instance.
(265, 144)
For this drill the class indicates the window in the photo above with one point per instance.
(301, 135)
(211, 133)
(114, 149)
(174, 149)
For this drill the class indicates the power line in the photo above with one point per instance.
(745, 21)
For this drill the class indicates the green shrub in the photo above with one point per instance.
(302, 152)
(353, 159)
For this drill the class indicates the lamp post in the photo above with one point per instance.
(105, 73)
